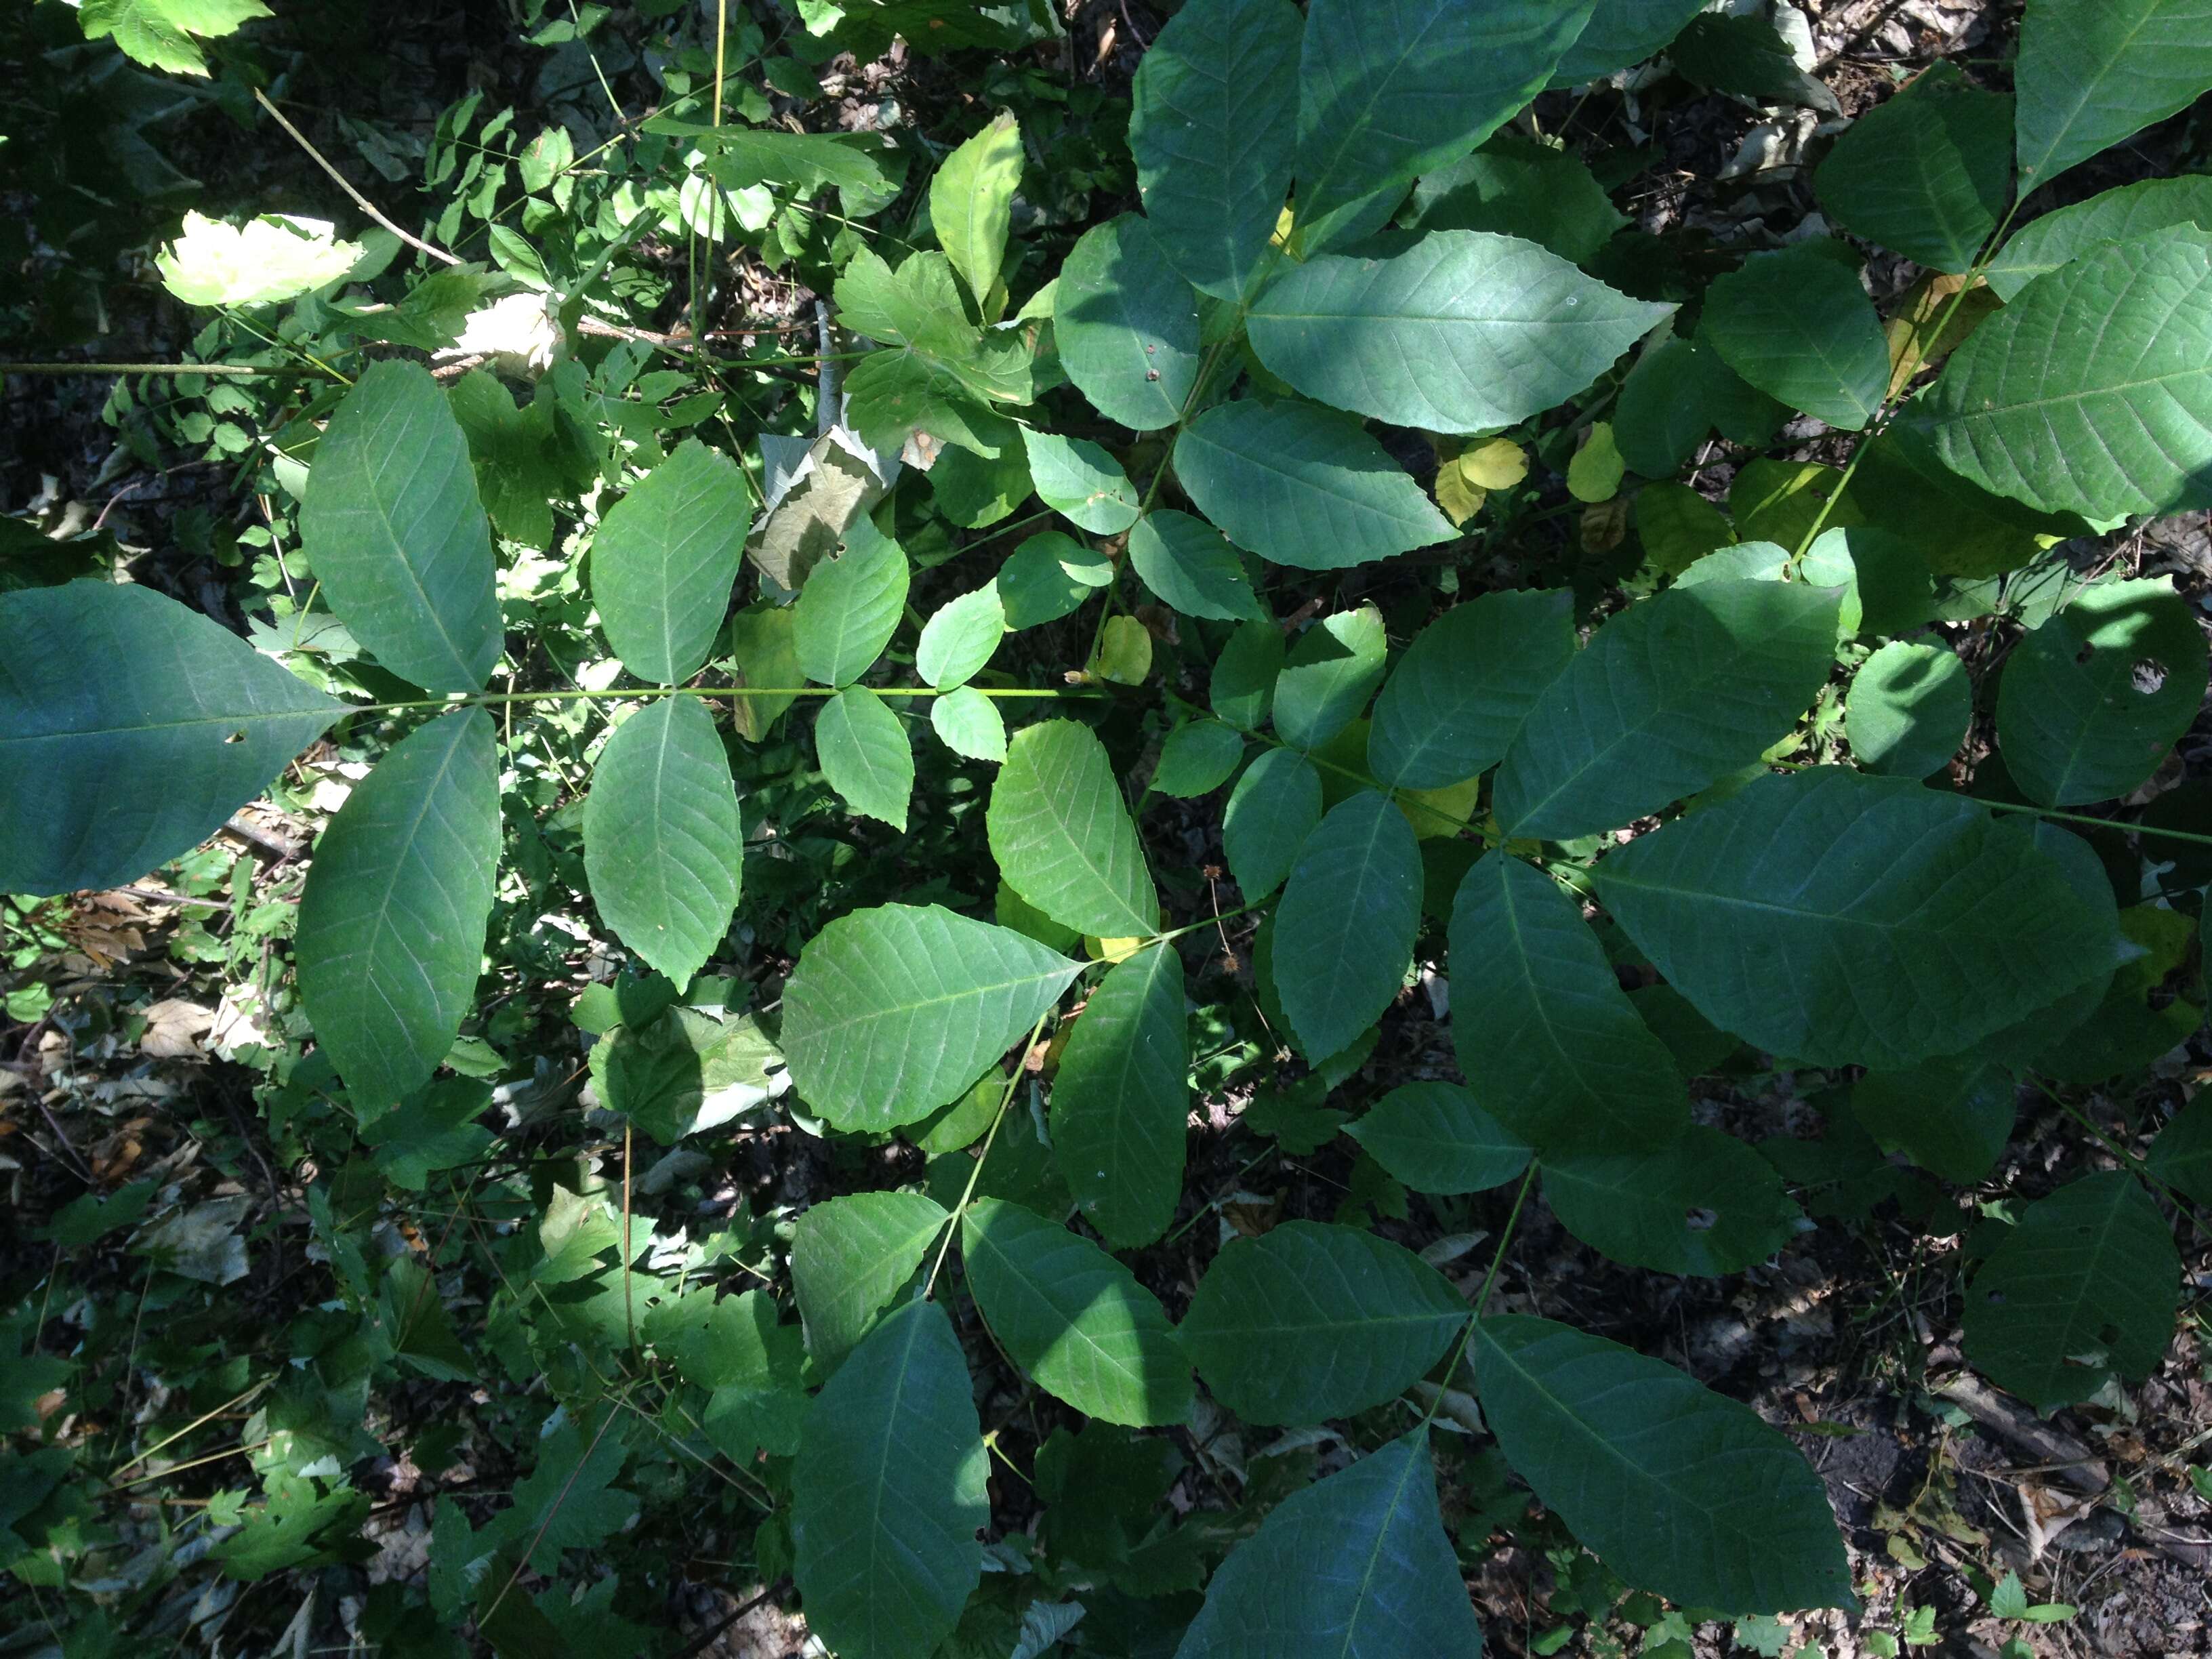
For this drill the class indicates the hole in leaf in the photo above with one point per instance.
(2085, 654)
(2108, 1334)
(2147, 676)
(1699, 1218)
(235, 737)
(1996, 1298)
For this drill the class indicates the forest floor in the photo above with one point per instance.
(1850, 1338)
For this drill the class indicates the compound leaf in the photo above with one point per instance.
(2091, 700)
(865, 755)
(1122, 1097)
(2116, 215)
(1905, 924)
(2092, 72)
(2083, 1289)
(1191, 565)
(1796, 325)
(1329, 676)
(664, 559)
(1926, 173)
(1308, 1322)
(398, 535)
(889, 1492)
(130, 728)
(850, 1257)
(1434, 1138)
(2092, 392)
(1680, 1491)
(1550, 1045)
(1675, 692)
(1063, 836)
(1464, 332)
(1358, 1565)
(1213, 126)
(391, 924)
(1346, 924)
(1464, 686)
(850, 607)
(896, 1011)
(1072, 1318)
(1302, 486)
(1271, 811)
(663, 847)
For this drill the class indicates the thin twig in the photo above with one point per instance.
(359, 200)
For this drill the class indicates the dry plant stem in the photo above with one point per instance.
(358, 199)
(1005, 1099)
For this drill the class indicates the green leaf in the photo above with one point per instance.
(2092, 72)
(1621, 33)
(515, 452)
(1049, 576)
(1358, 1565)
(1464, 332)
(969, 724)
(434, 1128)
(1796, 325)
(1271, 811)
(850, 1260)
(1302, 486)
(1952, 1120)
(893, 1011)
(665, 559)
(971, 202)
(391, 924)
(2181, 1156)
(1746, 54)
(1550, 1043)
(1329, 676)
(117, 711)
(663, 847)
(1909, 709)
(684, 1071)
(959, 638)
(2090, 702)
(1122, 1097)
(1703, 1204)
(741, 157)
(398, 535)
(1680, 1491)
(1212, 124)
(1242, 687)
(2091, 393)
(1063, 837)
(2084, 1289)
(1079, 480)
(1673, 693)
(1386, 94)
(1909, 925)
(1126, 325)
(1072, 1318)
(1197, 759)
(1678, 527)
(1516, 187)
(1308, 1322)
(2116, 215)
(1927, 174)
(890, 1492)
(1466, 683)
(1678, 393)
(850, 607)
(1435, 1139)
(1346, 924)
(160, 33)
(865, 755)
(1191, 565)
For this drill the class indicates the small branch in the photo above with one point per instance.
(359, 200)
(243, 371)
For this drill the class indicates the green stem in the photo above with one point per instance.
(1482, 1298)
(236, 370)
(968, 1193)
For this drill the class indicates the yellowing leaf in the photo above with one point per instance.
(1497, 464)
(1125, 652)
